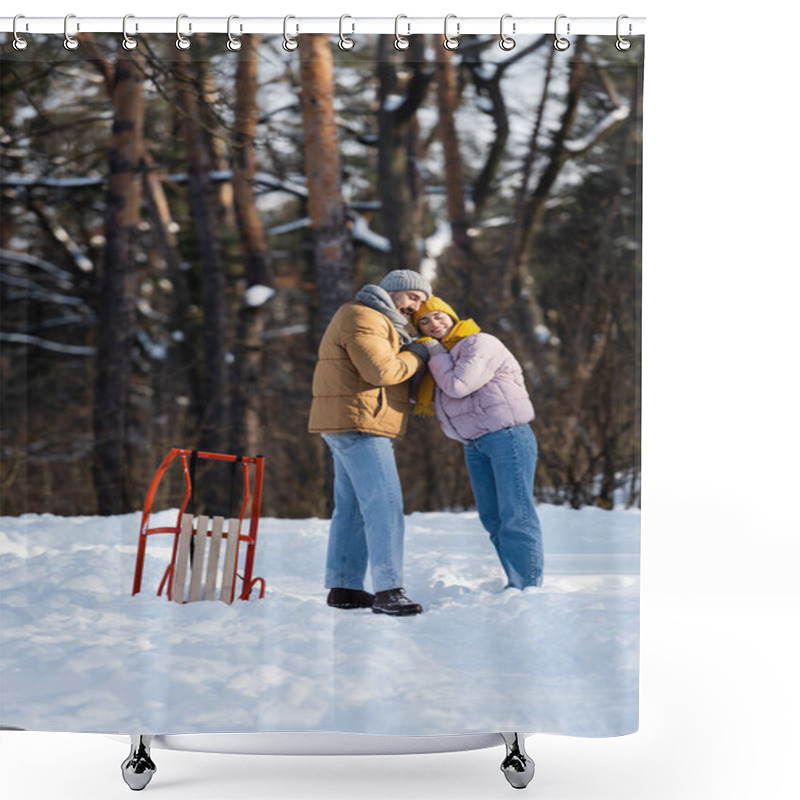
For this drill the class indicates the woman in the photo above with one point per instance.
(475, 387)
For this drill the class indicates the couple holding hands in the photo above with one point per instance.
(398, 347)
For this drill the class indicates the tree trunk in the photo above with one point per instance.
(463, 259)
(213, 426)
(215, 138)
(116, 320)
(331, 240)
(330, 237)
(398, 144)
(248, 373)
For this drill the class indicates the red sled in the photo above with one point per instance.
(206, 549)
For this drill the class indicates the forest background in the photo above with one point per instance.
(179, 227)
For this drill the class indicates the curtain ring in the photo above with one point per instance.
(561, 43)
(451, 42)
(506, 42)
(20, 42)
(128, 42)
(346, 43)
(401, 42)
(289, 42)
(621, 43)
(233, 44)
(70, 42)
(182, 43)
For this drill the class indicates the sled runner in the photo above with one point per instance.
(206, 547)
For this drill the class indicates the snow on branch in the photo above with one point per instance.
(66, 319)
(44, 344)
(289, 227)
(258, 294)
(157, 351)
(363, 233)
(392, 102)
(262, 180)
(603, 126)
(44, 180)
(13, 257)
(288, 330)
(61, 235)
(35, 291)
(267, 182)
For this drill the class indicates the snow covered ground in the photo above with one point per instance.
(78, 653)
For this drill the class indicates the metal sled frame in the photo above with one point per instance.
(184, 522)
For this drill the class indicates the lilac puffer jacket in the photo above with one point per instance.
(479, 388)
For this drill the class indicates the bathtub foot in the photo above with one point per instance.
(138, 768)
(518, 766)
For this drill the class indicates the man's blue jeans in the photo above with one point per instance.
(367, 527)
(501, 468)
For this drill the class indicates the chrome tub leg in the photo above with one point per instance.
(518, 766)
(138, 768)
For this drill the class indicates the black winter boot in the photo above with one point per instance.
(349, 598)
(395, 603)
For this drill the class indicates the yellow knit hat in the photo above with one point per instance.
(423, 405)
(433, 304)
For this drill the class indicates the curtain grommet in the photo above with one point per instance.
(451, 42)
(561, 43)
(346, 43)
(506, 42)
(19, 42)
(289, 42)
(128, 42)
(233, 44)
(401, 42)
(70, 42)
(182, 42)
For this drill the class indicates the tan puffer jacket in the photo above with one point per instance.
(361, 378)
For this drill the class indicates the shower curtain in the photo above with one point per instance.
(179, 226)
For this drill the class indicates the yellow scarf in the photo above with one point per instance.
(424, 403)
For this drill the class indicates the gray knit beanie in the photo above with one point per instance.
(399, 280)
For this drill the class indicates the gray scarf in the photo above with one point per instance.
(379, 299)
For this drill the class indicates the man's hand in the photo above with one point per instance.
(425, 347)
(418, 348)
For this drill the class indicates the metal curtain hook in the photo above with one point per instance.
(622, 43)
(182, 43)
(451, 42)
(401, 42)
(346, 43)
(233, 44)
(506, 42)
(128, 42)
(70, 42)
(289, 42)
(20, 42)
(561, 42)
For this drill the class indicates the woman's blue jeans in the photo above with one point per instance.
(501, 468)
(367, 527)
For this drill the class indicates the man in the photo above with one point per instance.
(360, 405)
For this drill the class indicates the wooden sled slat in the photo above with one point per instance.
(182, 560)
(198, 559)
(213, 558)
(230, 562)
